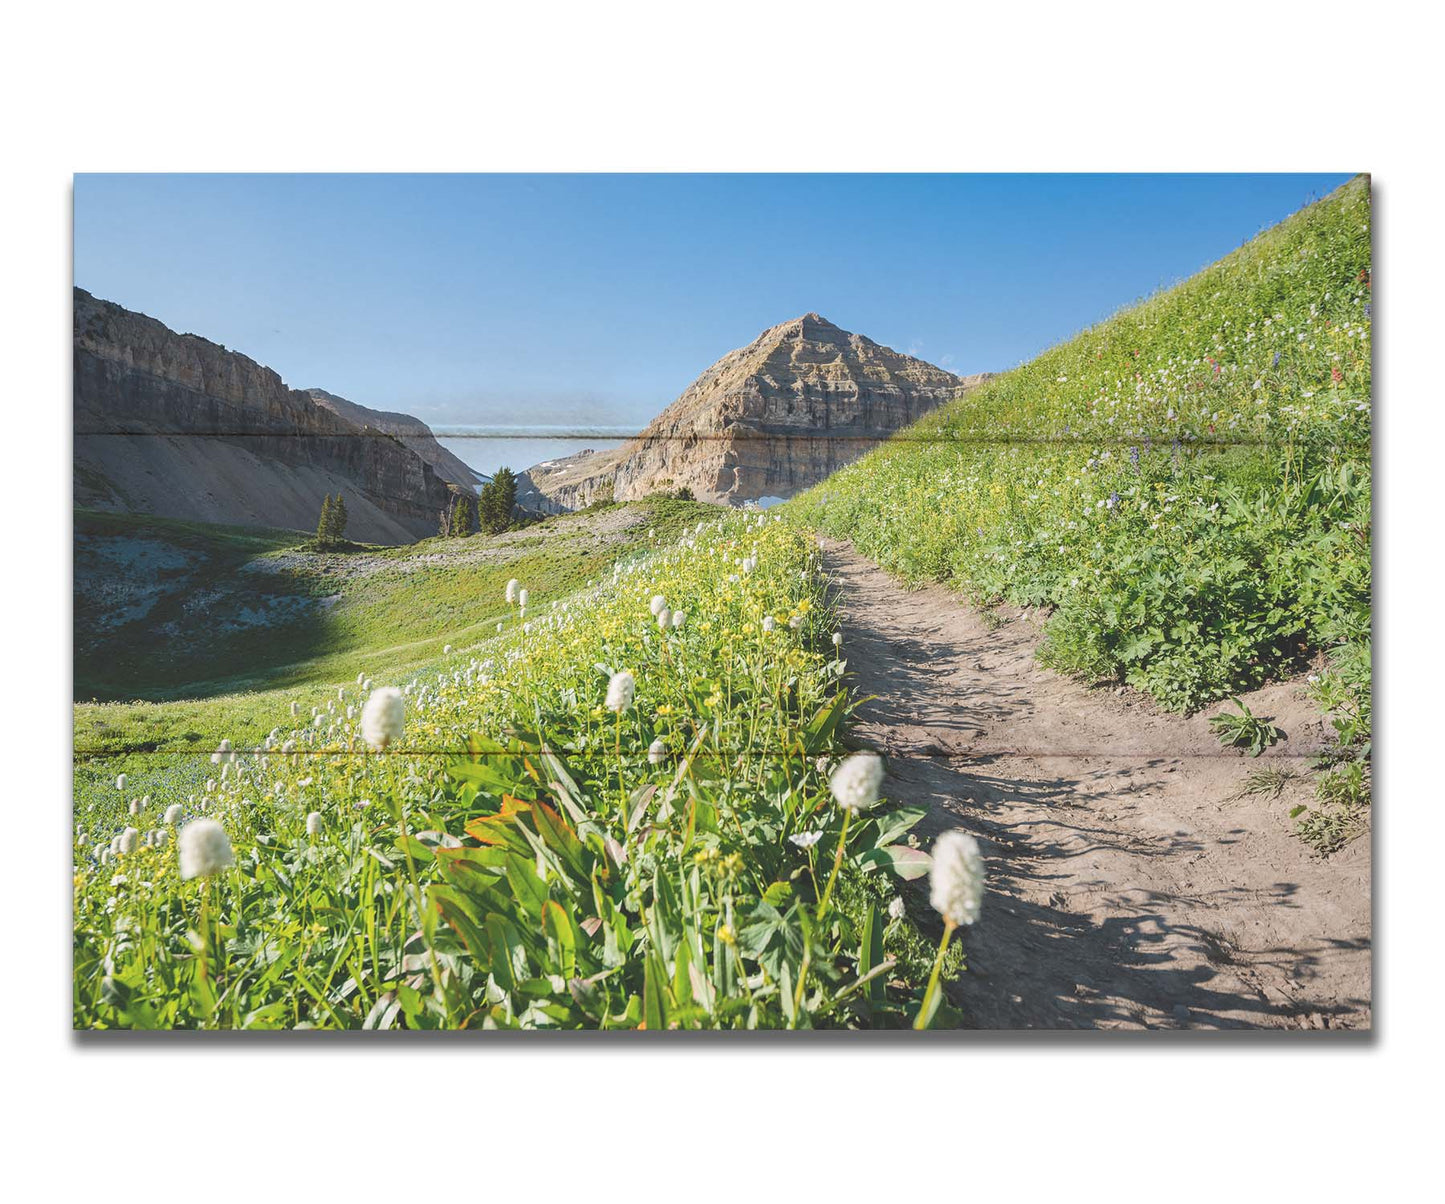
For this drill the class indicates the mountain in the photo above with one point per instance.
(175, 425)
(413, 433)
(767, 420)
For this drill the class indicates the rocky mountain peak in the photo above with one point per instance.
(765, 420)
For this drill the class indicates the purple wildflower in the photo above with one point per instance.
(1275, 363)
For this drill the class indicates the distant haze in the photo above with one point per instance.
(488, 448)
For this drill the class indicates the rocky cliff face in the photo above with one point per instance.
(177, 425)
(768, 420)
(412, 432)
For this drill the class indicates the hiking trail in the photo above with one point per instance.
(1130, 882)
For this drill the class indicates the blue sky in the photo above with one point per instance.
(596, 299)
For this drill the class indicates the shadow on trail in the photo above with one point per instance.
(1079, 929)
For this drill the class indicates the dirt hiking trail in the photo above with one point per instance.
(1130, 883)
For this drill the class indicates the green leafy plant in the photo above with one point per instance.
(1245, 730)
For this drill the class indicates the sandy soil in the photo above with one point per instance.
(1131, 884)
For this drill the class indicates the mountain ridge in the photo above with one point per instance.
(766, 420)
(182, 427)
(412, 431)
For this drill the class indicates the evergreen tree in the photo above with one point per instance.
(464, 515)
(499, 497)
(324, 523)
(338, 520)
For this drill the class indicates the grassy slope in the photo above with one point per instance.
(655, 878)
(191, 682)
(1186, 484)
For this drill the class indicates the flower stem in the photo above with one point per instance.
(621, 779)
(837, 862)
(399, 798)
(925, 1013)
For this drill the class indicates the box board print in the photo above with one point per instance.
(966, 686)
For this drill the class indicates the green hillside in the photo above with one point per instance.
(1185, 485)
(168, 609)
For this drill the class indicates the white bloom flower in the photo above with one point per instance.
(656, 752)
(658, 603)
(205, 849)
(768, 624)
(795, 622)
(129, 839)
(383, 717)
(313, 824)
(956, 880)
(173, 814)
(499, 627)
(896, 910)
(855, 783)
(679, 617)
(806, 840)
(159, 838)
(120, 782)
(446, 650)
(135, 806)
(512, 587)
(295, 709)
(522, 598)
(837, 639)
(664, 619)
(620, 690)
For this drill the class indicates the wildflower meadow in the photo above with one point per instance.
(628, 808)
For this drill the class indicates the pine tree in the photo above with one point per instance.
(323, 524)
(338, 520)
(463, 516)
(499, 497)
